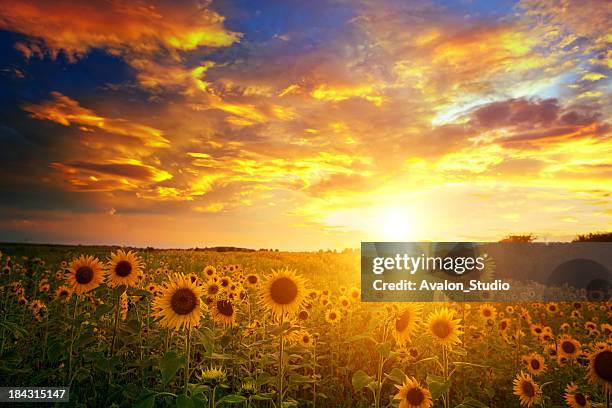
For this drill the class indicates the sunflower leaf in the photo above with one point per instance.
(360, 380)
(437, 385)
(397, 376)
(169, 364)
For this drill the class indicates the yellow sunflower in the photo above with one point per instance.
(600, 367)
(63, 293)
(210, 271)
(305, 339)
(252, 280)
(124, 268)
(568, 347)
(84, 274)
(527, 390)
(443, 328)
(405, 322)
(488, 311)
(412, 395)
(574, 398)
(179, 304)
(332, 316)
(223, 311)
(535, 363)
(282, 293)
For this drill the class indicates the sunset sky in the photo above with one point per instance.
(303, 124)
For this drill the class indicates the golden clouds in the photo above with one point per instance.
(66, 111)
(120, 27)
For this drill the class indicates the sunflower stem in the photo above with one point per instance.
(280, 364)
(188, 359)
(111, 351)
(76, 302)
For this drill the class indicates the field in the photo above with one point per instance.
(269, 329)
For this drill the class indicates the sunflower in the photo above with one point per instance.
(223, 311)
(355, 294)
(179, 304)
(535, 363)
(84, 274)
(552, 308)
(600, 367)
(213, 375)
(574, 398)
(568, 347)
(124, 268)
(504, 324)
(527, 390)
(443, 328)
(303, 315)
(210, 271)
(488, 311)
(63, 293)
(212, 288)
(252, 280)
(344, 302)
(412, 395)
(282, 293)
(405, 322)
(305, 339)
(332, 316)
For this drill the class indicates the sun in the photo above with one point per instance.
(395, 225)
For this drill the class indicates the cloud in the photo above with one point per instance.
(66, 111)
(124, 28)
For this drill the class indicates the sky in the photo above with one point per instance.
(302, 125)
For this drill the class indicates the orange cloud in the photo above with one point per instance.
(66, 111)
(117, 26)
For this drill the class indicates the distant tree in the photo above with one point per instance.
(594, 237)
(519, 238)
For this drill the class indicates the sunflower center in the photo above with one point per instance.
(402, 322)
(213, 289)
(487, 313)
(225, 307)
(123, 268)
(283, 291)
(535, 364)
(602, 365)
(528, 389)
(252, 279)
(415, 396)
(503, 325)
(183, 301)
(306, 339)
(332, 316)
(84, 275)
(303, 315)
(414, 352)
(441, 329)
(568, 347)
(580, 399)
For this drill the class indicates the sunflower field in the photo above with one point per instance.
(145, 328)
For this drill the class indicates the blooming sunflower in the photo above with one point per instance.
(252, 280)
(283, 292)
(179, 304)
(124, 268)
(212, 288)
(305, 339)
(574, 398)
(84, 274)
(527, 390)
(210, 271)
(223, 311)
(63, 293)
(412, 395)
(535, 363)
(600, 367)
(568, 347)
(488, 311)
(443, 328)
(405, 322)
(332, 316)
